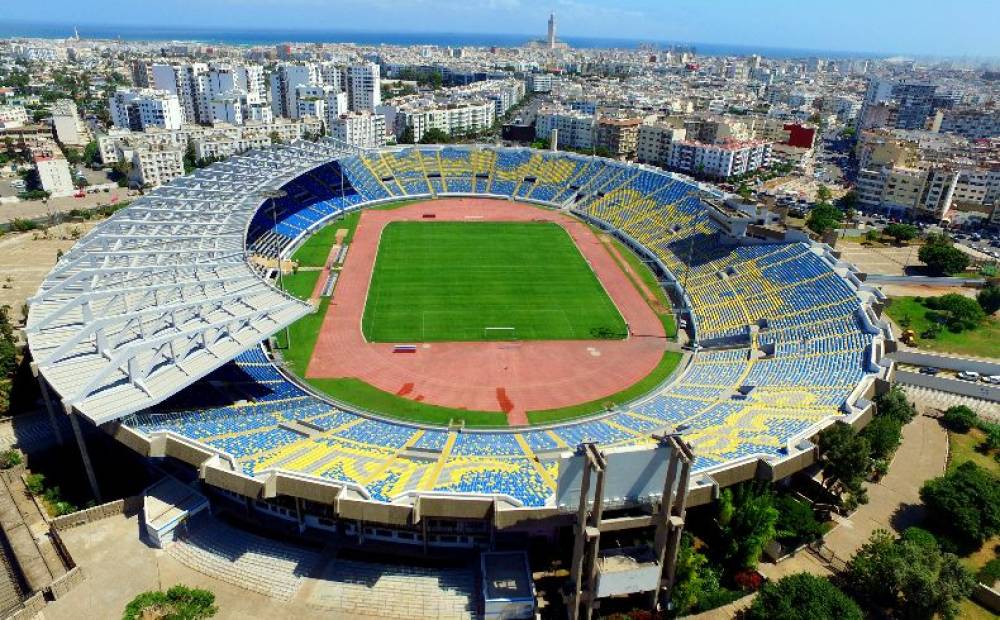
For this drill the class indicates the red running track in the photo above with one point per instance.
(508, 377)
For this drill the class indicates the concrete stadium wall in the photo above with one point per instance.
(987, 597)
(925, 280)
(953, 386)
(920, 358)
(128, 505)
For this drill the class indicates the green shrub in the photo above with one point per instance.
(177, 603)
(966, 502)
(959, 418)
(796, 522)
(990, 572)
(35, 483)
(802, 596)
(10, 458)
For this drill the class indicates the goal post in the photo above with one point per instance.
(500, 333)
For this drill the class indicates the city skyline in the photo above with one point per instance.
(885, 28)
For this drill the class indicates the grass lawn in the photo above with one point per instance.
(668, 363)
(448, 281)
(365, 396)
(305, 331)
(649, 279)
(983, 341)
(963, 447)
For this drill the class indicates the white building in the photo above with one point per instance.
(719, 161)
(656, 139)
(53, 173)
(66, 124)
(12, 116)
(153, 166)
(139, 109)
(451, 118)
(222, 146)
(576, 129)
(362, 129)
(364, 87)
(284, 82)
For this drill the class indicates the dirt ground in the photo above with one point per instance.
(889, 261)
(26, 258)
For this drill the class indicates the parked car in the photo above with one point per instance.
(929, 370)
(991, 379)
(968, 375)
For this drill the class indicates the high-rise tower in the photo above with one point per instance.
(552, 31)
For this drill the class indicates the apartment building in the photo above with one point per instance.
(620, 136)
(53, 172)
(155, 165)
(69, 130)
(972, 123)
(364, 87)
(139, 109)
(656, 138)
(897, 104)
(451, 117)
(576, 129)
(719, 161)
(362, 129)
(220, 146)
(115, 142)
(284, 82)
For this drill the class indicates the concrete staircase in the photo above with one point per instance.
(243, 559)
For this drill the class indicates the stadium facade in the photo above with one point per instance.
(152, 326)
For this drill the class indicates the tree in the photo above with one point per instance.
(943, 258)
(435, 136)
(275, 138)
(910, 576)
(893, 404)
(957, 311)
(694, 580)
(873, 235)
(849, 200)
(407, 136)
(178, 603)
(91, 153)
(901, 232)
(750, 527)
(959, 418)
(966, 501)
(802, 596)
(846, 459)
(883, 435)
(823, 194)
(824, 217)
(989, 299)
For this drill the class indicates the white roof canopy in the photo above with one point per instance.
(162, 293)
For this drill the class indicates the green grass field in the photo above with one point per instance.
(449, 281)
(984, 341)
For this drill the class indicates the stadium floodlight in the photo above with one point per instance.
(273, 195)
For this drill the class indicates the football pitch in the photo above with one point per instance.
(477, 281)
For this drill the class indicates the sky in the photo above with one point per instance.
(962, 28)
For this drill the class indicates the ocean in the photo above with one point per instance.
(449, 39)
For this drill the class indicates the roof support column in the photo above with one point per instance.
(85, 456)
(47, 398)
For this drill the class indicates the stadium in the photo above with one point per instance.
(488, 307)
